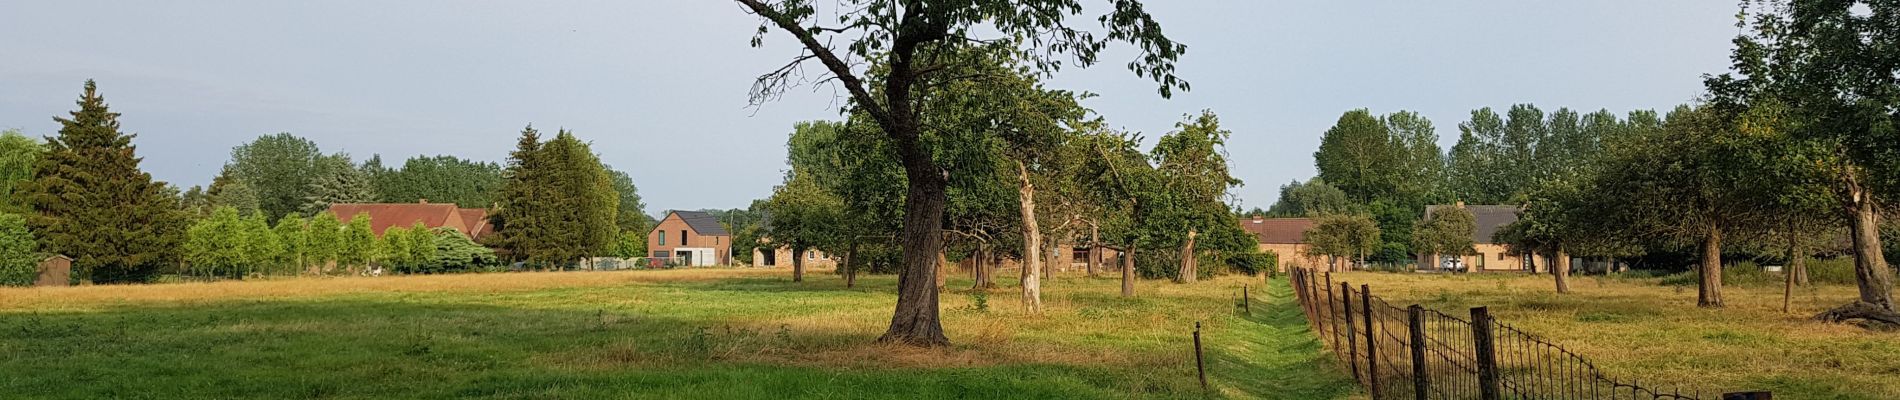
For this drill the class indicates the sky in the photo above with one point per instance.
(661, 87)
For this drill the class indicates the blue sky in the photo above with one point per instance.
(660, 87)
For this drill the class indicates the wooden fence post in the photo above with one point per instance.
(1483, 343)
(1200, 368)
(1372, 341)
(1352, 343)
(1421, 376)
(1246, 302)
(1331, 325)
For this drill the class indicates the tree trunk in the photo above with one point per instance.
(1095, 248)
(941, 271)
(798, 265)
(916, 320)
(1128, 271)
(1871, 273)
(983, 271)
(851, 265)
(1188, 273)
(1561, 267)
(1709, 289)
(1059, 255)
(1032, 243)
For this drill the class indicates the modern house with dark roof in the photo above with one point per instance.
(690, 238)
(470, 221)
(1285, 237)
(1491, 255)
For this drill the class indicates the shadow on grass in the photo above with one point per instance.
(1272, 353)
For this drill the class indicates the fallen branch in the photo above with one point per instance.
(1860, 310)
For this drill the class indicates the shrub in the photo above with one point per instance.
(19, 266)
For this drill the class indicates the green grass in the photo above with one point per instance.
(1640, 328)
(643, 334)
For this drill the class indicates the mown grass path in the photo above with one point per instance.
(705, 334)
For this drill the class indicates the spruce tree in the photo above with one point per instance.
(339, 183)
(90, 200)
(516, 222)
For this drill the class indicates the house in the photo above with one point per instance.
(55, 270)
(691, 238)
(382, 216)
(781, 256)
(1491, 255)
(1285, 237)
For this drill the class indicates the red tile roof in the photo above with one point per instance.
(1277, 230)
(382, 216)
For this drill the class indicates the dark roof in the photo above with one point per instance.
(705, 224)
(1278, 230)
(1489, 219)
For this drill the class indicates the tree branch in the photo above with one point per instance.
(838, 67)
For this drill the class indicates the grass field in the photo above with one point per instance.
(711, 334)
(1641, 328)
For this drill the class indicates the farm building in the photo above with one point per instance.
(55, 270)
(781, 256)
(1491, 255)
(691, 238)
(470, 221)
(1285, 237)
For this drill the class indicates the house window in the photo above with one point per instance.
(660, 253)
(662, 238)
(682, 237)
(811, 255)
(1500, 256)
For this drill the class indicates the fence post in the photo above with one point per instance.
(1246, 302)
(1483, 343)
(1372, 341)
(1331, 325)
(1200, 368)
(1421, 376)
(1352, 343)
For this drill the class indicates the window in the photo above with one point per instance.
(813, 255)
(682, 237)
(660, 253)
(1500, 256)
(662, 238)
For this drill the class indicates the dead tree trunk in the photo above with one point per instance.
(1561, 267)
(1871, 273)
(1128, 271)
(1709, 288)
(1187, 273)
(1032, 242)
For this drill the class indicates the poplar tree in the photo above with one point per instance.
(325, 241)
(357, 246)
(90, 201)
(294, 234)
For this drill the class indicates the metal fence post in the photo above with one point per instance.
(1485, 348)
(1372, 341)
(1352, 343)
(1421, 377)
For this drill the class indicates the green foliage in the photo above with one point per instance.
(558, 203)
(263, 251)
(632, 216)
(294, 234)
(1345, 236)
(439, 179)
(91, 201)
(280, 168)
(454, 252)
(323, 240)
(1312, 198)
(19, 262)
(216, 246)
(804, 215)
(1447, 231)
(228, 191)
(357, 246)
(339, 181)
(419, 250)
(18, 154)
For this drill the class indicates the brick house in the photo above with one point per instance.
(781, 256)
(1491, 255)
(382, 216)
(1285, 237)
(690, 238)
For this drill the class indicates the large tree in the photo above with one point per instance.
(438, 179)
(1310, 198)
(1833, 66)
(90, 200)
(909, 41)
(558, 203)
(803, 217)
(280, 168)
(19, 261)
(18, 154)
(338, 181)
(1193, 192)
(1446, 232)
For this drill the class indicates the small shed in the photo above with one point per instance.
(55, 270)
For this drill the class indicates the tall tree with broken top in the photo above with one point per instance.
(909, 39)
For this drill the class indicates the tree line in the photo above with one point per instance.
(81, 193)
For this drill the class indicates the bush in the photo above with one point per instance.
(19, 266)
(1253, 263)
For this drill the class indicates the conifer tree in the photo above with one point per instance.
(517, 224)
(90, 200)
(339, 183)
(558, 203)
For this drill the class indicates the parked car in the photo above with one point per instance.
(1452, 264)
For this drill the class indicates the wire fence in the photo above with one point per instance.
(1414, 352)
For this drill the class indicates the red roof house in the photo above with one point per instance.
(470, 221)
